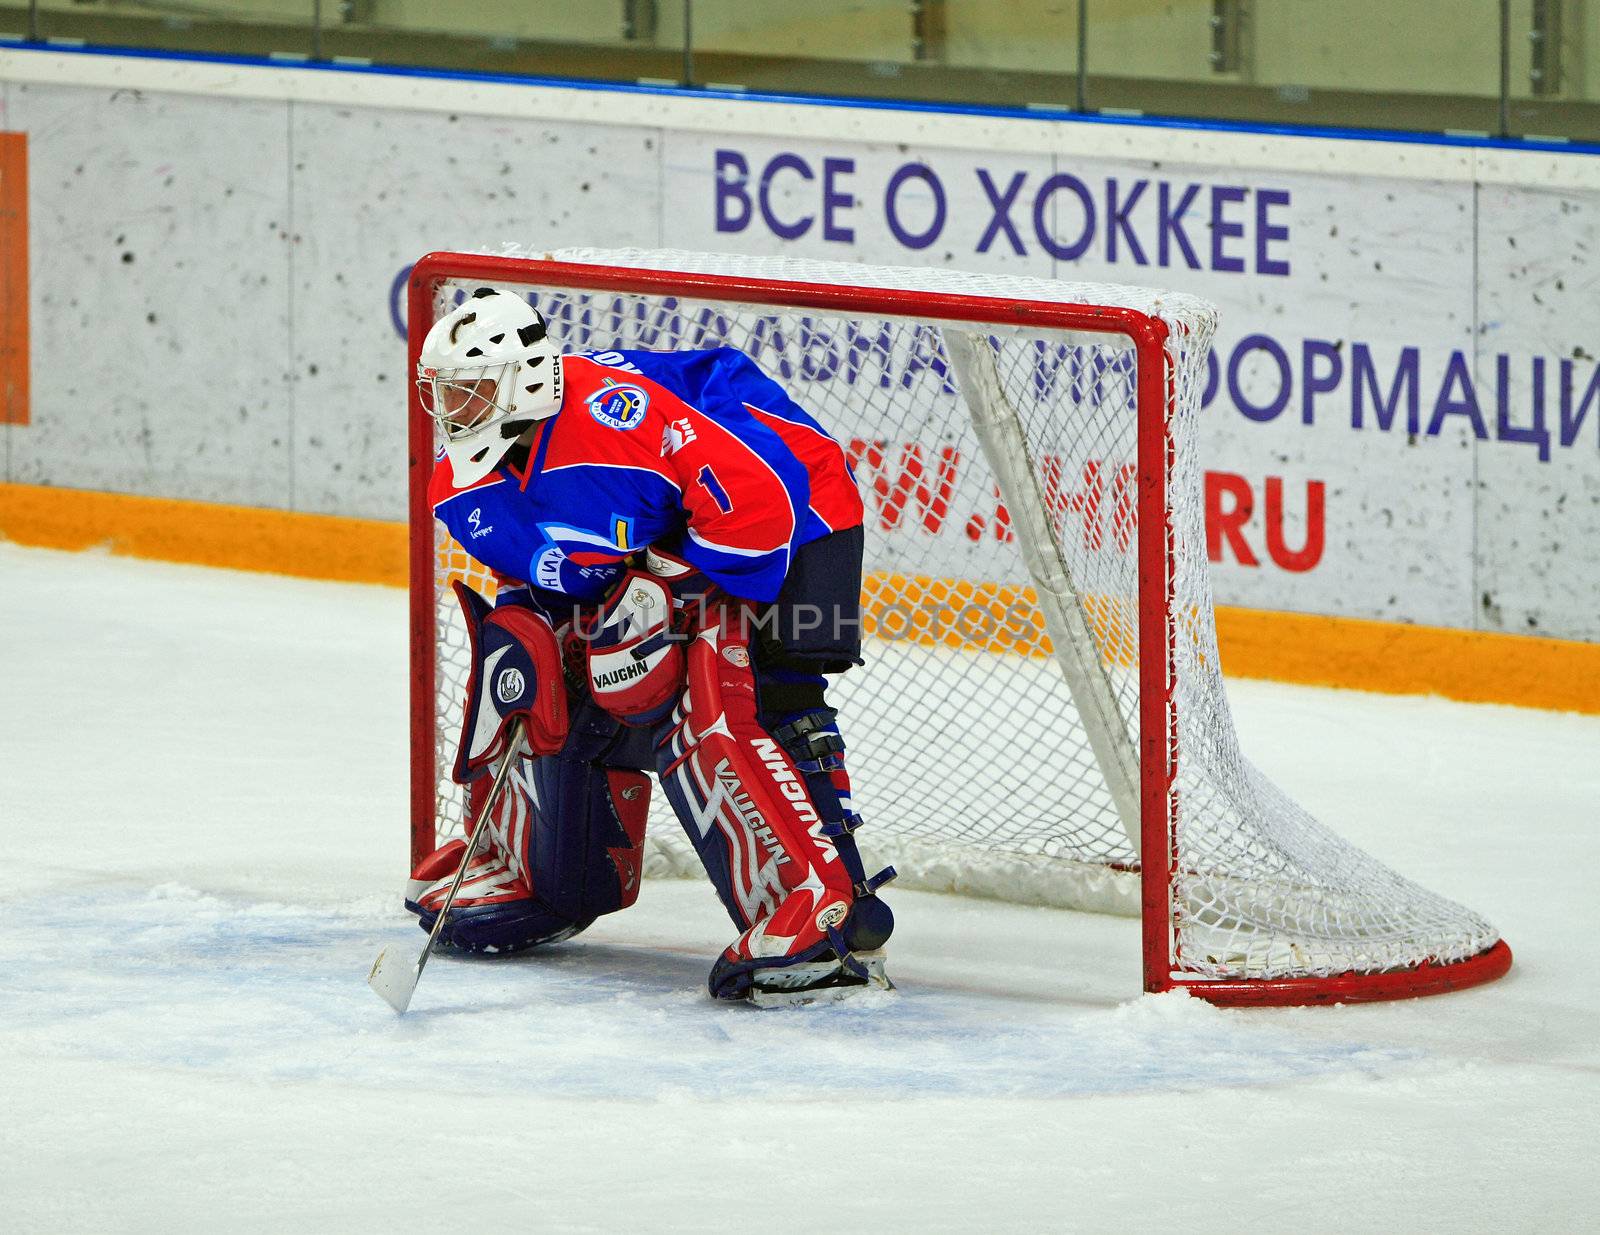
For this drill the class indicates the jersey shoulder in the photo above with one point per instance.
(615, 393)
(700, 378)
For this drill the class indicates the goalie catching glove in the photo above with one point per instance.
(636, 652)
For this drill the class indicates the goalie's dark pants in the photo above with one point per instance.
(813, 628)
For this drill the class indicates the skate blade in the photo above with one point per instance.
(394, 980)
(810, 984)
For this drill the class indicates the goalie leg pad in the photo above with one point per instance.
(587, 849)
(749, 810)
(495, 913)
(565, 845)
(852, 956)
(814, 743)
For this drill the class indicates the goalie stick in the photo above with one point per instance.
(396, 982)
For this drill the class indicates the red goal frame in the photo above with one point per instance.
(1158, 742)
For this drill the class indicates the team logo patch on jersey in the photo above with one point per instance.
(619, 407)
(572, 558)
(547, 565)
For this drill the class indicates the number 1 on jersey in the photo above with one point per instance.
(709, 482)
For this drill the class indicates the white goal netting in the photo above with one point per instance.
(994, 731)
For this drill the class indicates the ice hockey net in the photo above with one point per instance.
(1042, 715)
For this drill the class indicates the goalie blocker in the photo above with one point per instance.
(725, 700)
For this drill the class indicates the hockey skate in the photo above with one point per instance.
(765, 966)
(821, 981)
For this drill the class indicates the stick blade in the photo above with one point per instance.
(394, 979)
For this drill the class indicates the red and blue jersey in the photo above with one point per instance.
(698, 453)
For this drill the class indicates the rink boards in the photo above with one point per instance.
(1403, 413)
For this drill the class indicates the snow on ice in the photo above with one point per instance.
(202, 795)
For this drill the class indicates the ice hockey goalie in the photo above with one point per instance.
(679, 548)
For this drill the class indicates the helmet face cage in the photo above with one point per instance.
(465, 402)
(486, 370)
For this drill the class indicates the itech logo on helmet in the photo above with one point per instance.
(618, 407)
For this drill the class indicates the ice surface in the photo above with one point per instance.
(202, 795)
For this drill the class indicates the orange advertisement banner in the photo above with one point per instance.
(14, 278)
(1477, 666)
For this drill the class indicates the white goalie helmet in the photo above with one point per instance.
(488, 369)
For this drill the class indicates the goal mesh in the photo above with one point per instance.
(983, 760)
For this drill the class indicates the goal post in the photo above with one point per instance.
(1042, 715)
